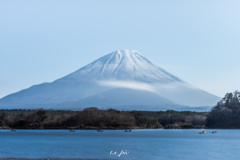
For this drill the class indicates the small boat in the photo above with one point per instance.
(13, 130)
(203, 132)
(71, 130)
(99, 130)
(214, 132)
(128, 130)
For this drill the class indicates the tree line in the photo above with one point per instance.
(94, 118)
(226, 114)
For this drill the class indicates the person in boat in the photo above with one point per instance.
(127, 130)
(203, 132)
(100, 130)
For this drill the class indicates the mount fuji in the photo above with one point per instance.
(123, 80)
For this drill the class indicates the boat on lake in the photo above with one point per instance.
(213, 132)
(71, 130)
(100, 130)
(128, 130)
(203, 132)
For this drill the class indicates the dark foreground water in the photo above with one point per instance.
(139, 144)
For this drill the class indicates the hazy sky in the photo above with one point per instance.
(43, 40)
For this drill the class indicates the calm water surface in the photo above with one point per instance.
(156, 144)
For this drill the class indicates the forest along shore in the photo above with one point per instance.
(94, 118)
(225, 115)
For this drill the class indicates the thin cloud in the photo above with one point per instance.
(128, 84)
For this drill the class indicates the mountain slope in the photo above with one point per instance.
(123, 99)
(126, 69)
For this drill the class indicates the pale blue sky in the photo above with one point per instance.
(43, 40)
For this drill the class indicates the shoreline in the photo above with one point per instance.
(48, 159)
(120, 129)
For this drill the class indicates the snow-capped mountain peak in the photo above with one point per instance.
(123, 79)
(122, 65)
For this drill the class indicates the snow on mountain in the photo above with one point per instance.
(109, 78)
(127, 65)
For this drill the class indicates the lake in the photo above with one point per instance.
(159, 144)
